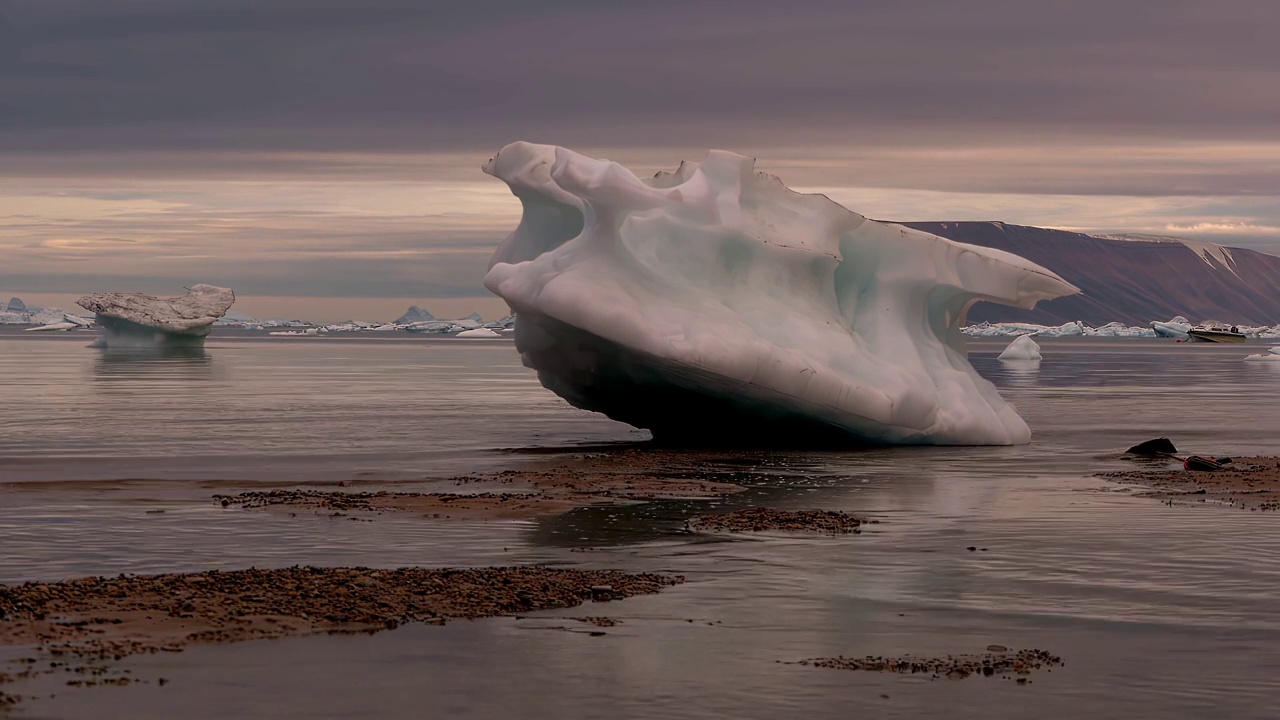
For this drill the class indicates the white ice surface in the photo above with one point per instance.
(1175, 328)
(55, 326)
(1022, 348)
(718, 287)
(40, 316)
(1014, 329)
(478, 333)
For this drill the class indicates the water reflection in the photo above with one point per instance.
(1020, 373)
(165, 363)
(1263, 368)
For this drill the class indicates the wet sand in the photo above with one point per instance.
(1248, 483)
(544, 489)
(762, 519)
(485, 505)
(77, 625)
(114, 617)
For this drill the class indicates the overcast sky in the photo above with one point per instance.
(331, 149)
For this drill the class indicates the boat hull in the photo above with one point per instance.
(1217, 336)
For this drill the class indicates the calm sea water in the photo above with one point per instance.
(1158, 611)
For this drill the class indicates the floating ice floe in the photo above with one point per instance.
(420, 321)
(63, 326)
(137, 320)
(434, 327)
(714, 304)
(306, 332)
(1119, 329)
(449, 327)
(15, 312)
(1272, 355)
(478, 333)
(1013, 329)
(1022, 348)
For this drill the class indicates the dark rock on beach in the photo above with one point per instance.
(1158, 446)
(1249, 483)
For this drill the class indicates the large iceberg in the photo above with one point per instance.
(714, 304)
(137, 320)
(1175, 328)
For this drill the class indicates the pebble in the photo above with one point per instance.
(1023, 662)
(757, 519)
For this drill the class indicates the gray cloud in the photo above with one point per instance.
(278, 252)
(394, 74)
(153, 114)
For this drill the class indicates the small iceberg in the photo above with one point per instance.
(309, 332)
(478, 333)
(1272, 355)
(1022, 348)
(138, 320)
(1175, 328)
(55, 326)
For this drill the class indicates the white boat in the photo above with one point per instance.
(1218, 335)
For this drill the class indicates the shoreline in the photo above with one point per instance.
(81, 626)
(1248, 483)
(591, 480)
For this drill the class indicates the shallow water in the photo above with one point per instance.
(1158, 611)
(251, 405)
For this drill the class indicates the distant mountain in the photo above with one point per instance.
(412, 315)
(16, 305)
(1131, 278)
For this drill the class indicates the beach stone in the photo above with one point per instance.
(1158, 446)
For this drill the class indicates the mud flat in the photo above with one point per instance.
(518, 493)
(1249, 483)
(762, 519)
(485, 505)
(146, 613)
(627, 475)
(76, 625)
(998, 661)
